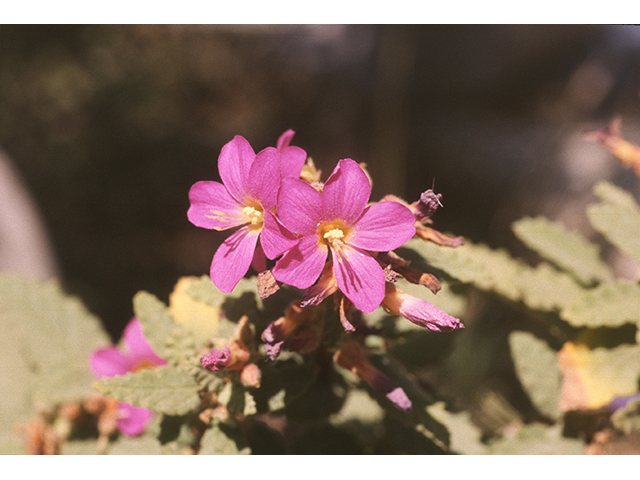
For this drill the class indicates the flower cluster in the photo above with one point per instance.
(300, 224)
(322, 237)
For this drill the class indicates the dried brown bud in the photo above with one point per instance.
(267, 284)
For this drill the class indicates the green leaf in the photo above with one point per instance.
(608, 305)
(568, 250)
(537, 367)
(169, 340)
(47, 339)
(537, 439)
(223, 440)
(478, 264)
(358, 407)
(542, 288)
(168, 389)
(617, 217)
(466, 437)
(235, 397)
(178, 435)
(244, 300)
(546, 289)
(203, 290)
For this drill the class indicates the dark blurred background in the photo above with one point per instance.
(107, 127)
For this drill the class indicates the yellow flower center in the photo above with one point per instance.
(254, 215)
(333, 234)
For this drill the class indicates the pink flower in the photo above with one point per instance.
(246, 199)
(110, 361)
(339, 220)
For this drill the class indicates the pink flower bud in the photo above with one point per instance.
(418, 311)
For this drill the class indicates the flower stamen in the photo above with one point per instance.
(333, 235)
(255, 216)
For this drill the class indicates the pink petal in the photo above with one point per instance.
(259, 261)
(275, 238)
(292, 159)
(299, 206)
(346, 192)
(233, 258)
(140, 351)
(108, 362)
(133, 420)
(285, 139)
(264, 178)
(359, 277)
(213, 207)
(234, 163)
(399, 399)
(301, 266)
(383, 227)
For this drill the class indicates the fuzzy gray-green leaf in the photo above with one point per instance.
(608, 305)
(617, 217)
(537, 367)
(465, 435)
(168, 389)
(171, 341)
(223, 440)
(568, 250)
(542, 288)
(537, 439)
(47, 339)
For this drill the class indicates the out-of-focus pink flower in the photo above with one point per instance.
(418, 311)
(339, 220)
(246, 198)
(111, 361)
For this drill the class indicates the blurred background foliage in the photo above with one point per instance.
(109, 126)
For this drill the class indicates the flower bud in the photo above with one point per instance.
(418, 311)
(233, 356)
(250, 376)
(424, 208)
